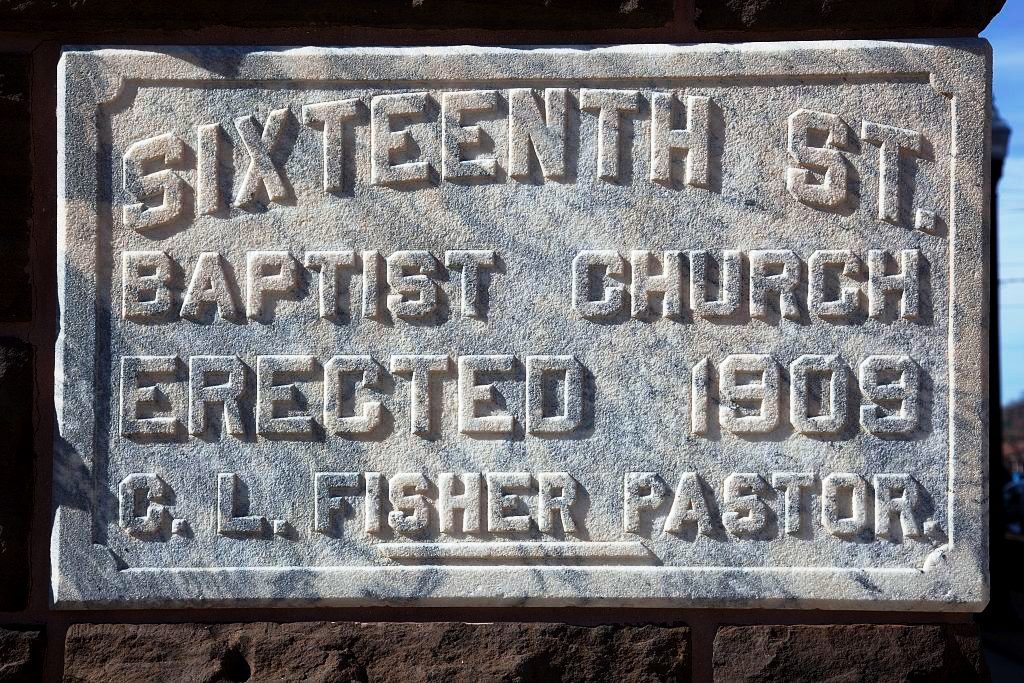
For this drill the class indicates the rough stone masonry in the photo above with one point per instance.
(645, 325)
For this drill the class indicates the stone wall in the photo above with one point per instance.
(383, 644)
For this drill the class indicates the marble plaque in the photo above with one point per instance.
(638, 325)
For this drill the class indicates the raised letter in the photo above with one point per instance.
(843, 493)
(746, 514)
(261, 145)
(896, 494)
(210, 286)
(261, 279)
(142, 490)
(500, 501)
(907, 282)
(333, 118)
(372, 503)
(610, 105)
(270, 396)
(472, 263)
(387, 143)
(328, 506)
(734, 411)
(700, 388)
(551, 415)
(689, 506)
(420, 283)
(834, 412)
(556, 494)
(784, 282)
(892, 142)
(879, 385)
(135, 396)
(225, 394)
(544, 130)
(472, 394)
(694, 140)
(728, 301)
(330, 264)
(849, 297)
(422, 369)
(668, 284)
(613, 298)
(371, 296)
(793, 487)
(165, 182)
(145, 285)
(641, 491)
(456, 137)
(208, 194)
(371, 376)
(467, 502)
(249, 526)
(416, 504)
(830, 191)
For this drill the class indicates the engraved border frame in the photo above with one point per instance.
(953, 578)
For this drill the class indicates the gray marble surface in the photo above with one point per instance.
(636, 325)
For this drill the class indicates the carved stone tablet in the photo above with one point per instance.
(654, 326)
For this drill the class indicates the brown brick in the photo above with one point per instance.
(853, 653)
(15, 188)
(855, 17)
(20, 655)
(16, 385)
(410, 652)
(49, 15)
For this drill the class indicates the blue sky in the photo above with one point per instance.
(1006, 33)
